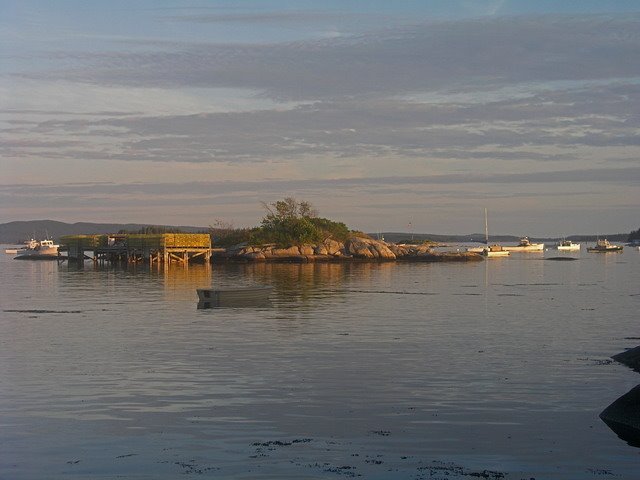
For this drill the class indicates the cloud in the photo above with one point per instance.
(538, 106)
(274, 17)
(514, 194)
(622, 176)
(64, 98)
(489, 51)
(549, 126)
(511, 89)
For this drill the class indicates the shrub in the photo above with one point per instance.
(330, 229)
(289, 222)
(228, 238)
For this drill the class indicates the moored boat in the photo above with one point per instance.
(233, 297)
(568, 245)
(488, 250)
(39, 250)
(31, 244)
(604, 246)
(525, 245)
(492, 251)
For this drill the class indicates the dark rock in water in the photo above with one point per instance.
(561, 259)
(630, 358)
(623, 417)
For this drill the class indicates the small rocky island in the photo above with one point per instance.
(354, 248)
(291, 231)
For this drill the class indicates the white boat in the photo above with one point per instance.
(525, 245)
(604, 246)
(233, 297)
(31, 244)
(39, 250)
(495, 251)
(568, 245)
(488, 250)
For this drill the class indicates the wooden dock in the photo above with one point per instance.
(160, 249)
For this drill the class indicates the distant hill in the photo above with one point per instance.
(396, 237)
(18, 232)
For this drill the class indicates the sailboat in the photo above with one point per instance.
(489, 250)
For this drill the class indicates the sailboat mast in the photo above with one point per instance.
(486, 228)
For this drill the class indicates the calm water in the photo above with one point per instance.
(376, 371)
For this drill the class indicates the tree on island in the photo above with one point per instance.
(224, 234)
(290, 222)
(634, 236)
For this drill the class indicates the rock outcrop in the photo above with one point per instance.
(356, 247)
(361, 247)
(623, 416)
(630, 358)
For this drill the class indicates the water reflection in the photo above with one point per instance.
(181, 282)
(385, 367)
(236, 303)
(292, 283)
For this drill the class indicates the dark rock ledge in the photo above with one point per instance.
(623, 415)
(355, 248)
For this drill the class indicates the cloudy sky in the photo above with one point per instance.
(380, 113)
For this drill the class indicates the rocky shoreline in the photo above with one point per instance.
(623, 415)
(354, 248)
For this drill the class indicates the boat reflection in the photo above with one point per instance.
(244, 303)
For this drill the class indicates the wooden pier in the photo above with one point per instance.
(160, 249)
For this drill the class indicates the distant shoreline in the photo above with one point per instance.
(14, 233)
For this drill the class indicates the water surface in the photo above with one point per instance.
(496, 369)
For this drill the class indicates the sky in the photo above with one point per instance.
(388, 116)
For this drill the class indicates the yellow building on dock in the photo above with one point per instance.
(161, 248)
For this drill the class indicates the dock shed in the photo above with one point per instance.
(161, 248)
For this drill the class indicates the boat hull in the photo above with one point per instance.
(494, 251)
(233, 297)
(40, 253)
(604, 250)
(569, 248)
(534, 247)
(490, 254)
